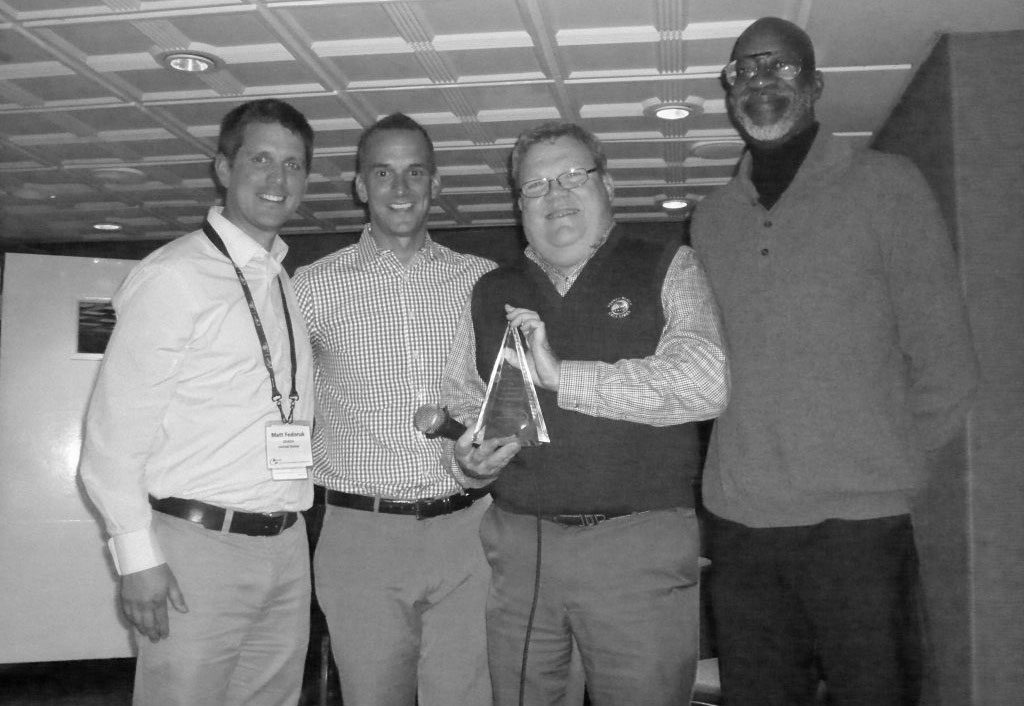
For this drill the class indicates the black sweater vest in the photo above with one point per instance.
(612, 312)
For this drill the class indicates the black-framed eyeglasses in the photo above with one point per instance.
(572, 179)
(743, 70)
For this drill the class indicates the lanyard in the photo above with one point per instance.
(275, 395)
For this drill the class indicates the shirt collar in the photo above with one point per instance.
(243, 249)
(772, 170)
(559, 276)
(827, 154)
(368, 252)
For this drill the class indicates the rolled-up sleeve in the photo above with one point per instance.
(687, 377)
(135, 384)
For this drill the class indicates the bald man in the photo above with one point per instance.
(851, 363)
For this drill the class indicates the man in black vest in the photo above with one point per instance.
(592, 537)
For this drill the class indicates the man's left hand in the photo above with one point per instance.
(544, 365)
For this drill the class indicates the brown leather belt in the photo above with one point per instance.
(422, 509)
(255, 524)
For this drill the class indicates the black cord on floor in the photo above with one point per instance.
(529, 622)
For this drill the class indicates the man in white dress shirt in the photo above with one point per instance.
(197, 439)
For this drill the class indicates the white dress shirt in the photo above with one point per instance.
(183, 395)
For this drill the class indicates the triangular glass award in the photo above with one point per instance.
(511, 406)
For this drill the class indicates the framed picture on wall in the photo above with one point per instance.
(95, 324)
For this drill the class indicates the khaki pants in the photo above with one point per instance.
(243, 641)
(404, 601)
(627, 591)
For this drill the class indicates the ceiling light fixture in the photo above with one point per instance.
(673, 204)
(718, 149)
(33, 192)
(190, 62)
(673, 110)
(119, 175)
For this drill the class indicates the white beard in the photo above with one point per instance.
(768, 133)
(781, 128)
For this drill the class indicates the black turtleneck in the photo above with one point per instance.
(773, 168)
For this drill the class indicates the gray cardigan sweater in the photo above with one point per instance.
(847, 334)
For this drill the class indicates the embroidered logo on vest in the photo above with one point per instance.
(620, 308)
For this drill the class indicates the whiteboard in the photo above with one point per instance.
(56, 579)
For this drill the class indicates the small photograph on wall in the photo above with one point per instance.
(95, 324)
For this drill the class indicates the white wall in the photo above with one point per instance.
(57, 588)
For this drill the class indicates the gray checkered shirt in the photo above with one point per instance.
(381, 334)
(686, 379)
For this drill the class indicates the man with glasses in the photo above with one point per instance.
(851, 363)
(592, 537)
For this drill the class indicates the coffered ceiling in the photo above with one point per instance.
(94, 129)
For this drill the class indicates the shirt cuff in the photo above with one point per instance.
(135, 551)
(577, 384)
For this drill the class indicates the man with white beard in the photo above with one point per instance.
(851, 363)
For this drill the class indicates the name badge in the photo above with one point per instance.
(289, 451)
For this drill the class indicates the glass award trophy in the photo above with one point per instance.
(511, 406)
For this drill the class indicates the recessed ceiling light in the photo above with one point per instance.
(718, 149)
(33, 192)
(673, 204)
(191, 62)
(107, 227)
(119, 175)
(673, 110)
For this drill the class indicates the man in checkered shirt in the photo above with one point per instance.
(400, 573)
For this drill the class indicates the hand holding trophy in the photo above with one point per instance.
(510, 406)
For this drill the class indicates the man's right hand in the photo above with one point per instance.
(144, 598)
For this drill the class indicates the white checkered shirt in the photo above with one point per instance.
(381, 334)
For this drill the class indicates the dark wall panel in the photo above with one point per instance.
(921, 128)
(962, 121)
(989, 119)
